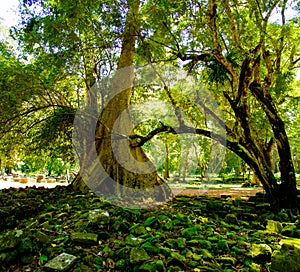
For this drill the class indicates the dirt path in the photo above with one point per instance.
(217, 192)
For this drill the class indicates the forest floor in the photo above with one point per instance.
(201, 230)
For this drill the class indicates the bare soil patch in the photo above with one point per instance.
(234, 192)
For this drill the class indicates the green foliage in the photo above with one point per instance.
(66, 46)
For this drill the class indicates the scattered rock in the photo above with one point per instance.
(138, 255)
(183, 235)
(61, 263)
(286, 259)
(291, 230)
(160, 265)
(261, 252)
(274, 226)
(147, 267)
(178, 257)
(226, 261)
(98, 217)
(11, 240)
(85, 238)
(189, 232)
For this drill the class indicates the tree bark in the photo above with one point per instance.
(127, 171)
(286, 192)
(266, 148)
(166, 171)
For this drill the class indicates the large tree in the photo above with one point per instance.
(248, 60)
(93, 39)
(127, 171)
(245, 59)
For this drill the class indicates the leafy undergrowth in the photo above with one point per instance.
(188, 234)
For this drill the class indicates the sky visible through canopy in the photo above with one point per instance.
(8, 12)
(9, 9)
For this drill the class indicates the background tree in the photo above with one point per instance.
(250, 61)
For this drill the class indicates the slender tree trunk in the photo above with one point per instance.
(127, 172)
(167, 171)
(185, 164)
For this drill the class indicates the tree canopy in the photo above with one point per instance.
(246, 54)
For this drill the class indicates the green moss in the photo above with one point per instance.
(189, 232)
(138, 254)
(287, 259)
(178, 257)
(274, 226)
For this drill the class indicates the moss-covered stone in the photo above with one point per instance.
(261, 252)
(295, 242)
(274, 226)
(197, 257)
(238, 250)
(150, 248)
(286, 259)
(206, 254)
(120, 264)
(165, 251)
(226, 261)
(290, 230)
(61, 263)
(205, 244)
(10, 240)
(98, 217)
(254, 267)
(189, 232)
(131, 240)
(139, 230)
(213, 239)
(138, 255)
(181, 242)
(150, 221)
(147, 267)
(85, 238)
(222, 245)
(178, 257)
(160, 265)
(231, 219)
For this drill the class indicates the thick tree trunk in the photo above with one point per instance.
(286, 192)
(250, 77)
(127, 172)
(282, 195)
(266, 149)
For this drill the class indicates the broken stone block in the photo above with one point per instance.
(40, 178)
(61, 263)
(51, 180)
(261, 252)
(274, 226)
(98, 216)
(138, 255)
(10, 240)
(288, 257)
(84, 238)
